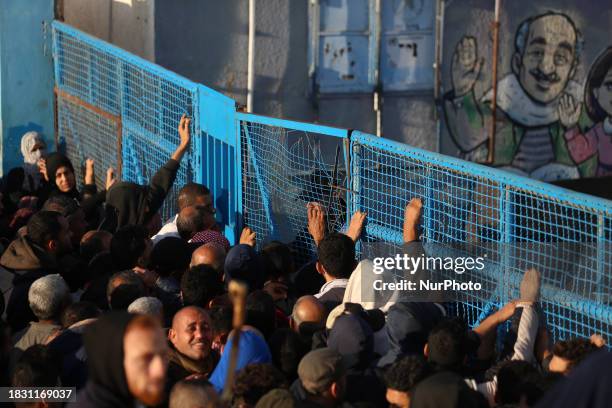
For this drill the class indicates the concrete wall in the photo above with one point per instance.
(210, 46)
(26, 76)
(206, 41)
(529, 110)
(129, 24)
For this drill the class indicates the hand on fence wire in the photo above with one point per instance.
(110, 178)
(89, 171)
(185, 135)
(506, 312)
(412, 216)
(248, 236)
(598, 340)
(42, 168)
(356, 225)
(316, 221)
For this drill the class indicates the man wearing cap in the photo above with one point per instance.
(323, 378)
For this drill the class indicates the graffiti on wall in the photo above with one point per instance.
(549, 125)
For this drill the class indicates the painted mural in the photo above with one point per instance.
(551, 125)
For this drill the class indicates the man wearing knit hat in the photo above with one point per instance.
(323, 376)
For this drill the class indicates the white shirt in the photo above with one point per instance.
(168, 230)
(336, 283)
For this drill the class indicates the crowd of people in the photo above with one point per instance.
(98, 295)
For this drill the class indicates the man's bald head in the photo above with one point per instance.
(209, 254)
(191, 332)
(194, 393)
(307, 309)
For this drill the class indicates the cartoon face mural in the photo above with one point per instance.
(597, 140)
(540, 118)
(546, 56)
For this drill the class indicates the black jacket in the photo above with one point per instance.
(22, 263)
(133, 204)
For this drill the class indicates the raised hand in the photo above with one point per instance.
(42, 168)
(356, 225)
(316, 221)
(110, 178)
(465, 66)
(412, 215)
(184, 131)
(89, 171)
(185, 135)
(248, 236)
(569, 110)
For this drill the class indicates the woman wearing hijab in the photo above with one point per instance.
(33, 149)
(132, 204)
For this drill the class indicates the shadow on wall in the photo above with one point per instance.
(180, 48)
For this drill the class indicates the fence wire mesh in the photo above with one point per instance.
(514, 227)
(148, 100)
(283, 170)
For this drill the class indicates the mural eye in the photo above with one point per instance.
(537, 53)
(608, 86)
(561, 59)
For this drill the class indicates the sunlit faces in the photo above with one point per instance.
(64, 179)
(191, 333)
(145, 363)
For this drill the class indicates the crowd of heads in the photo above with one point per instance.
(99, 296)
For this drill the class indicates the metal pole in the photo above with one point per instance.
(251, 57)
(494, 79)
(378, 98)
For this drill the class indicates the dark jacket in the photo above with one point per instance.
(22, 263)
(106, 385)
(133, 204)
(69, 345)
(332, 298)
(181, 366)
(408, 326)
(353, 338)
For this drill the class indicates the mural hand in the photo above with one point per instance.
(569, 110)
(465, 66)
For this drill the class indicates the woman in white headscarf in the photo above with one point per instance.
(33, 148)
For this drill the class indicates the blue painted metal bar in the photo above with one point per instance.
(293, 125)
(579, 200)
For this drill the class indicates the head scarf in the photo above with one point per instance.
(30, 159)
(353, 338)
(126, 204)
(104, 346)
(54, 162)
(252, 349)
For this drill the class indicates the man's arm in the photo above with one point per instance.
(162, 181)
